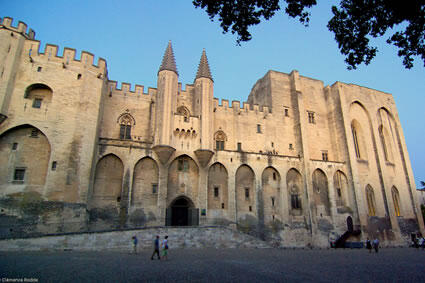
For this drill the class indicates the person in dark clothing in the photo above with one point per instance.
(135, 241)
(156, 246)
(368, 245)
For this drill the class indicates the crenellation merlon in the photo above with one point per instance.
(87, 58)
(236, 107)
(216, 102)
(21, 28)
(68, 55)
(126, 90)
(50, 50)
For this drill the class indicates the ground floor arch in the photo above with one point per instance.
(182, 212)
(24, 157)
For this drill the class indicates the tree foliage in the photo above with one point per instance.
(354, 23)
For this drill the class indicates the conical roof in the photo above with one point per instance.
(168, 61)
(204, 67)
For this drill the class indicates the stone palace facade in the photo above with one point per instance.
(299, 163)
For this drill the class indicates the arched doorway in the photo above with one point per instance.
(182, 212)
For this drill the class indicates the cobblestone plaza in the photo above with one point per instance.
(226, 265)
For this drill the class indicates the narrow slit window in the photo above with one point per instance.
(356, 142)
(311, 118)
(154, 188)
(246, 193)
(216, 192)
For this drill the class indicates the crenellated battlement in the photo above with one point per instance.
(21, 28)
(68, 55)
(126, 90)
(236, 107)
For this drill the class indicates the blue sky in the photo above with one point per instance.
(132, 37)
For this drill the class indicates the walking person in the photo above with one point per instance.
(156, 248)
(135, 242)
(165, 248)
(368, 245)
(376, 244)
(421, 242)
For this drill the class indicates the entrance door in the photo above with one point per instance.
(182, 213)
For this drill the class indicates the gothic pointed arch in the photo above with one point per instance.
(341, 189)
(220, 140)
(108, 182)
(370, 199)
(144, 193)
(183, 178)
(126, 122)
(218, 194)
(245, 191)
(358, 140)
(396, 201)
(270, 181)
(24, 155)
(294, 185)
(386, 143)
(361, 130)
(183, 111)
(321, 193)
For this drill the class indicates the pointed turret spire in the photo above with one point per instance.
(168, 61)
(204, 67)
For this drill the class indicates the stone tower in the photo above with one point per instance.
(166, 100)
(203, 102)
(13, 43)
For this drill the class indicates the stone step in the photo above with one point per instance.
(187, 237)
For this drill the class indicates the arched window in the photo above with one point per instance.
(356, 141)
(220, 138)
(396, 200)
(386, 143)
(370, 196)
(126, 121)
(182, 110)
(381, 136)
(39, 94)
